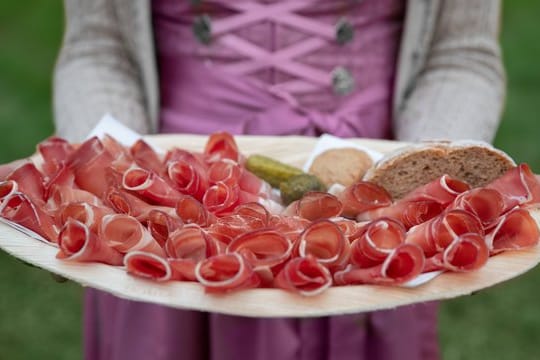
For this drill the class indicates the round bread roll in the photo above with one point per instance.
(341, 166)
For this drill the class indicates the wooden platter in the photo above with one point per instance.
(267, 302)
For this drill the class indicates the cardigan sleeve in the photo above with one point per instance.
(94, 73)
(459, 93)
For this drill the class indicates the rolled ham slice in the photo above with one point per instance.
(378, 239)
(188, 178)
(226, 272)
(7, 188)
(149, 266)
(78, 243)
(89, 215)
(187, 246)
(263, 248)
(290, 226)
(62, 195)
(192, 211)
(150, 186)
(146, 157)
(124, 202)
(221, 145)
(519, 186)
(54, 152)
(232, 174)
(466, 252)
(363, 196)
(315, 205)
(253, 210)
(442, 190)
(161, 224)
(404, 263)
(21, 209)
(514, 230)
(228, 227)
(304, 276)
(436, 234)
(30, 181)
(125, 233)
(408, 212)
(487, 204)
(325, 241)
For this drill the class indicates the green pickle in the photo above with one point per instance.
(296, 186)
(292, 182)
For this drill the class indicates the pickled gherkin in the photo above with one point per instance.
(270, 170)
(296, 186)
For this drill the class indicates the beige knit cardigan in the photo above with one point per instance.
(450, 80)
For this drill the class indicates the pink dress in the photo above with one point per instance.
(269, 67)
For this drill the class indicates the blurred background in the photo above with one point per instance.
(41, 319)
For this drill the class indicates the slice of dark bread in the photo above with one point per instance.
(474, 162)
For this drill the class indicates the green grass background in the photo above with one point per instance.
(41, 319)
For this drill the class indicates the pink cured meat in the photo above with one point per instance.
(88, 214)
(8, 168)
(519, 186)
(304, 276)
(226, 228)
(325, 241)
(363, 196)
(20, 209)
(30, 181)
(232, 173)
(466, 252)
(193, 158)
(78, 243)
(226, 272)
(125, 233)
(161, 224)
(408, 212)
(378, 239)
(516, 229)
(290, 226)
(61, 195)
(189, 245)
(7, 188)
(124, 202)
(315, 205)
(89, 163)
(443, 190)
(188, 178)
(253, 210)
(221, 145)
(263, 248)
(404, 263)
(436, 234)
(54, 152)
(149, 266)
(192, 211)
(221, 198)
(487, 204)
(146, 157)
(150, 186)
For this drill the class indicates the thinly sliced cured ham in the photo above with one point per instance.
(6, 169)
(466, 252)
(263, 248)
(7, 188)
(161, 224)
(61, 195)
(378, 239)
(146, 157)
(30, 181)
(232, 174)
(221, 145)
(149, 266)
(54, 152)
(88, 214)
(442, 190)
(325, 241)
(150, 186)
(188, 178)
(189, 245)
(192, 211)
(221, 198)
(226, 272)
(124, 202)
(487, 204)
(290, 226)
(20, 209)
(519, 186)
(315, 205)
(89, 163)
(226, 228)
(516, 229)
(125, 233)
(254, 210)
(404, 263)
(436, 234)
(408, 212)
(304, 276)
(363, 196)
(78, 243)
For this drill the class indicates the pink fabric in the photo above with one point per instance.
(267, 72)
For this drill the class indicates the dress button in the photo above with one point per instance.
(202, 29)
(344, 31)
(342, 81)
